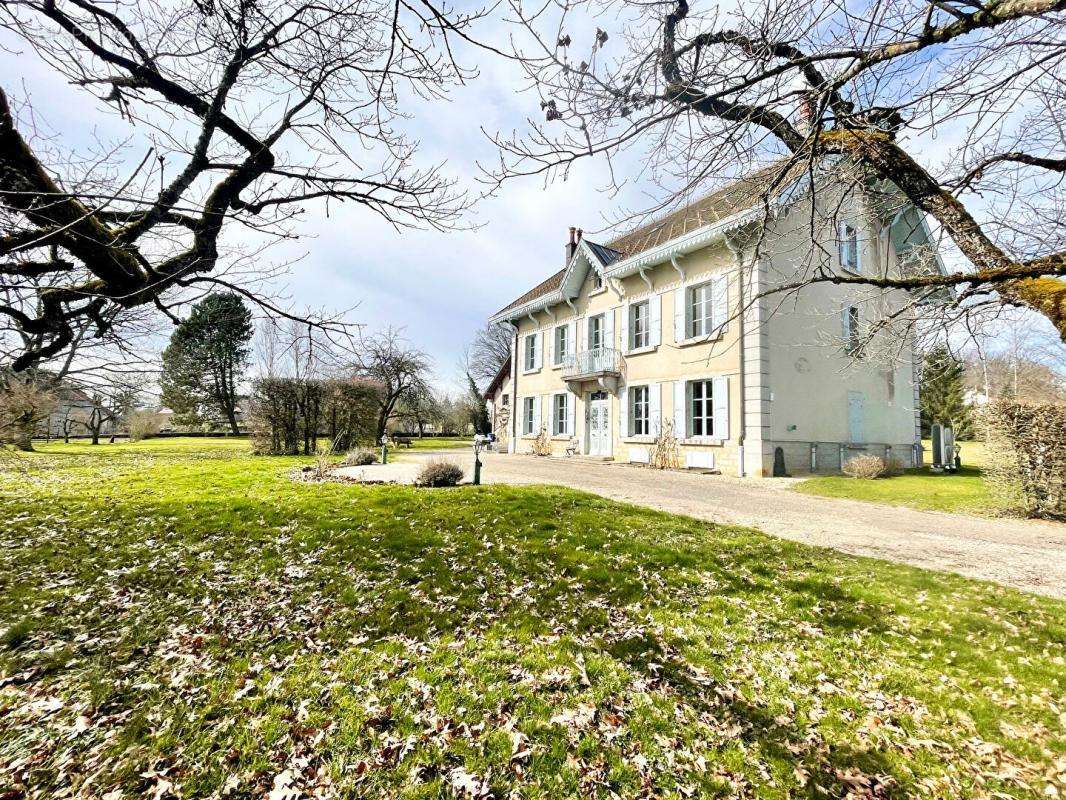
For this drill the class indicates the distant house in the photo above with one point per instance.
(654, 335)
(73, 408)
(498, 402)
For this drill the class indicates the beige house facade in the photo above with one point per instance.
(664, 341)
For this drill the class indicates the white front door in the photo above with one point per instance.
(599, 425)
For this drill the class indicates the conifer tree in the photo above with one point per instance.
(943, 393)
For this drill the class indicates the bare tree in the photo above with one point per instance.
(488, 352)
(25, 401)
(242, 114)
(705, 94)
(401, 371)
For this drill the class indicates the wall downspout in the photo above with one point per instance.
(512, 446)
(738, 254)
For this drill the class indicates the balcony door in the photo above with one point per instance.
(599, 424)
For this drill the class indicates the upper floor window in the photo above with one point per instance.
(562, 343)
(851, 333)
(701, 408)
(639, 330)
(639, 411)
(596, 332)
(848, 245)
(505, 400)
(700, 309)
(597, 280)
(531, 351)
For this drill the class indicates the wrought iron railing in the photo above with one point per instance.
(602, 360)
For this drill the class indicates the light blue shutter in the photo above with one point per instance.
(680, 412)
(679, 314)
(719, 303)
(655, 408)
(655, 319)
(720, 389)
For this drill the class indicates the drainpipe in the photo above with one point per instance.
(738, 254)
(513, 444)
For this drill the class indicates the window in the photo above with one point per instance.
(852, 342)
(561, 415)
(699, 309)
(848, 244)
(531, 351)
(639, 331)
(597, 281)
(562, 343)
(596, 332)
(701, 408)
(639, 422)
(528, 420)
(505, 400)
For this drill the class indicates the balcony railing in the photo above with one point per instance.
(592, 363)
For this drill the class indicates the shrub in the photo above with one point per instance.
(893, 467)
(439, 472)
(144, 424)
(1026, 469)
(360, 457)
(865, 467)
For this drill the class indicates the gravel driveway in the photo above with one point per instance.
(1025, 554)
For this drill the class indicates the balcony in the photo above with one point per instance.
(599, 365)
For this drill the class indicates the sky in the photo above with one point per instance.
(438, 287)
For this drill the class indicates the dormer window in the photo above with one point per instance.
(597, 280)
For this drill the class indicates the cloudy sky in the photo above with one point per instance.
(439, 287)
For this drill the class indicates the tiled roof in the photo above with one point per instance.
(738, 196)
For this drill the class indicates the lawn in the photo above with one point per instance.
(962, 492)
(439, 443)
(180, 619)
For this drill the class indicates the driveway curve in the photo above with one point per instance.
(1025, 554)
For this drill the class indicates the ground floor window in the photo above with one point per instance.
(527, 415)
(701, 408)
(561, 415)
(639, 422)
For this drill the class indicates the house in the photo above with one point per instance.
(498, 404)
(663, 340)
(73, 408)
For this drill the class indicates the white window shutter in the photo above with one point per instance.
(623, 412)
(538, 403)
(719, 302)
(655, 319)
(680, 411)
(655, 408)
(624, 329)
(581, 343)
(571, 339)
(845, 323)
(571, 408)
(608, 328)
(538, 351)
(720, 389)
(551, 346)
(679, 314)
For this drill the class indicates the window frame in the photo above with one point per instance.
(706, 320)
(559, 355)
(528, 415)
(561, 422)
(848, 247)
(636, 312)
(852, 341)
(598, 323)
(639, 401)
(706, 399)
(529, 362)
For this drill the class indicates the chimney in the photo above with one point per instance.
(571, 246)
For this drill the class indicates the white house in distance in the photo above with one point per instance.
(656, 339)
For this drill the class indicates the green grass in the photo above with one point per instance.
(962, 492)
(179, 616)
(439, 443)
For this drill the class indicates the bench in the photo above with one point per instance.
(402, 441)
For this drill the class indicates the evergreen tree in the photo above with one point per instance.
(205, 361)
(479, 412)
(943, 393)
